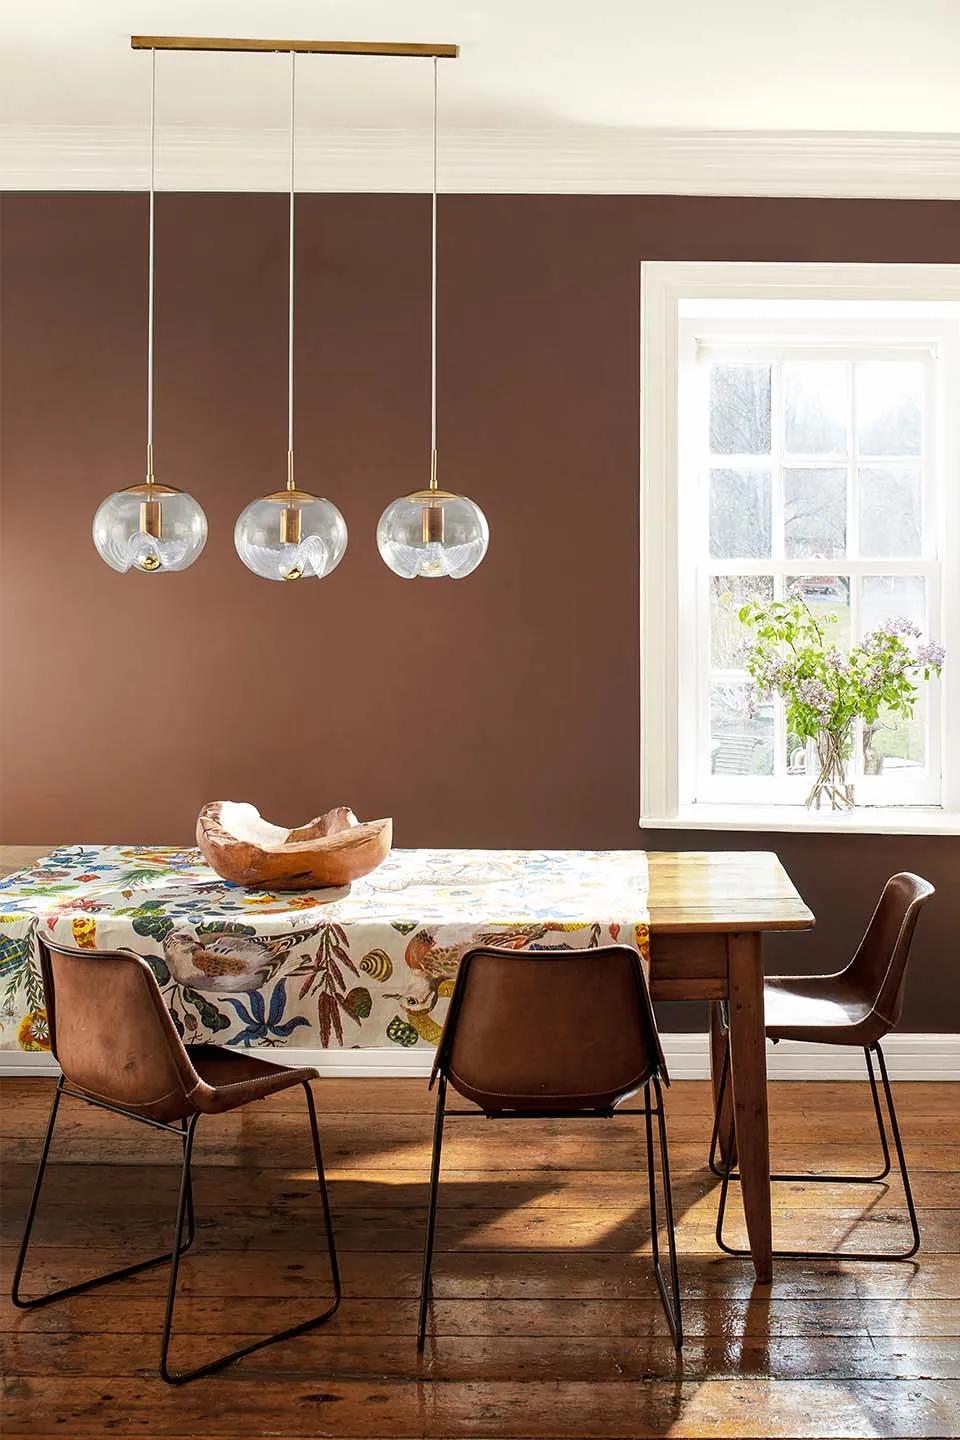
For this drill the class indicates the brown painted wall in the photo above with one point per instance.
(500, 711)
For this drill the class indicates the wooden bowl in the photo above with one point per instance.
(332, 850)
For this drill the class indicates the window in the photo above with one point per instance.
(797, 432)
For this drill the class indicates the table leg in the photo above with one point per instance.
(718, 1045)
(748, 1061)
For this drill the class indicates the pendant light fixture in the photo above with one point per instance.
(433, 532)
(291, 534)
(149, 527)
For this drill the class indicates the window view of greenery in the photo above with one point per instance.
(811, 460)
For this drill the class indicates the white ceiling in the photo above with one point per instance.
(547, 94)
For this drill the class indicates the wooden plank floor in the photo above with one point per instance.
(546, 1321)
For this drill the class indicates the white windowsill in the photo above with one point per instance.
(865, 820)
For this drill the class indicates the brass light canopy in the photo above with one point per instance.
(397, 49)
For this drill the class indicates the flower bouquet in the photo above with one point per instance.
(826, 692)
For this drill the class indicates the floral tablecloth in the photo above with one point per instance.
(372, 966)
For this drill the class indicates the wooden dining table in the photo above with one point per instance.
(709, 912)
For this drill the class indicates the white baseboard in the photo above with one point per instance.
(909, 1057)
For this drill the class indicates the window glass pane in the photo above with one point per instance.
(889, 401)
(890, 510)
(740, 409)
(816, 405)
(815, 514)
(888, 597)
(827, 595)
(894, 745)
(729, 640)
(741, 734)
(740, 525)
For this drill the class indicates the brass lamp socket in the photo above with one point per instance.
(291, 525)
(431, 522)
(150, 518)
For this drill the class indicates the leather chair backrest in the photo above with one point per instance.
(111, 1033)
(878, 970)
(550, 1030)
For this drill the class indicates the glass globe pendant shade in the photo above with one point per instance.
(150, 528)
(291, 535)
(432, 534)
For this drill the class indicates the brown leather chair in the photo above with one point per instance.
(859, 1006)
(118, 1049)
(548, 1033)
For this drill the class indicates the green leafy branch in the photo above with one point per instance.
(823, 689)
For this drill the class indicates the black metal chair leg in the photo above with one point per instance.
(191, 1223)
(676, 1322)
(722, 1204)
(324, 1196)
(671, 1302)
(182, 1377)
(717, 1170)
(901, 1158)
(651, 1182)
(182, 1206)
(881, 1128)
(671, 1308)
(431, 1212)
(838, 1179)
(124, 1273)
(34, 1201)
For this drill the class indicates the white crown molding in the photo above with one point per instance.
(909, 1057)
(474, 161)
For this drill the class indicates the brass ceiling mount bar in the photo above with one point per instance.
(300, 47)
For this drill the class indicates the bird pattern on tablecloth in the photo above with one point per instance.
(433, 967)
(227, 963)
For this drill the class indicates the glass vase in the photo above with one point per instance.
(832, 786)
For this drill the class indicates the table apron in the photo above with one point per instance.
(689, 967)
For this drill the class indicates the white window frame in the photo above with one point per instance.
(921, 309)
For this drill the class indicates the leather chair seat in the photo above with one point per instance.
(233, 1078)
(824, 1009)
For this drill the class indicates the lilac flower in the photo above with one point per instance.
(900, 625)
(816, 695)
(779, 674)
(931, 654)
(838, 663)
